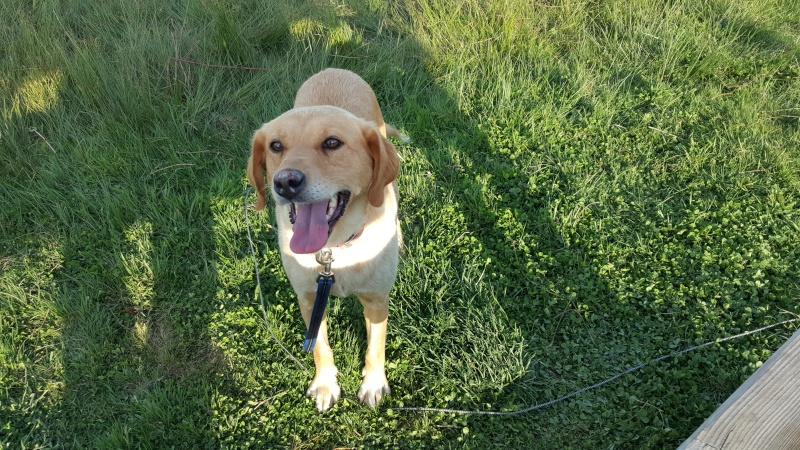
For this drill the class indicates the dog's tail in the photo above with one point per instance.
(392, 131)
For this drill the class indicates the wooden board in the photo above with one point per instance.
(764, 413)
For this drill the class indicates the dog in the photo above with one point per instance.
(331, 172)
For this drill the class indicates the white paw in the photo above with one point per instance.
(324, 390)
(372, 389)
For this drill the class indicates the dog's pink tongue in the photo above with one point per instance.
(310, 227)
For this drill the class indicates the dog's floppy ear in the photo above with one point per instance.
(257, 168)
(385, 164)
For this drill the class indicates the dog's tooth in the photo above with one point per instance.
(331, 206)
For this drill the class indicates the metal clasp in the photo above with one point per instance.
(325, 258)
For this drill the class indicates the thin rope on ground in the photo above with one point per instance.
(258, 284)
(594, 386)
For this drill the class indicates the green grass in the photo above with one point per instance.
(591, 185)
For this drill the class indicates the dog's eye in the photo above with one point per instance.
(332, 144)
(276, 146)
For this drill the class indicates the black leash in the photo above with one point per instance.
(324, 282)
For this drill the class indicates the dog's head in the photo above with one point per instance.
(317, 159)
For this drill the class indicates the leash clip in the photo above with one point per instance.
(325, 258)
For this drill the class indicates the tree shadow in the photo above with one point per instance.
(488, 276)
(97, 185)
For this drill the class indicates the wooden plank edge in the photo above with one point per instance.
(764, 412)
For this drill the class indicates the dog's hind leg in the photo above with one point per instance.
(324, 388)
(374, 385)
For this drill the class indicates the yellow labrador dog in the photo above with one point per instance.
(331, 172)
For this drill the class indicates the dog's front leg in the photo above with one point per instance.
(324, 387)
(374, 385)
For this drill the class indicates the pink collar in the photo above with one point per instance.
(352, 238)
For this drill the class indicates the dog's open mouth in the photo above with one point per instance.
(313, 222)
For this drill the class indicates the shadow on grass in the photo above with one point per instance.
(137, 291)
(491, 297)
(126, 210)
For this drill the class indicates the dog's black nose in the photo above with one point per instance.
(288, 183)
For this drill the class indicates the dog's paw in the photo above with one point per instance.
(325, 391)
(372, 389)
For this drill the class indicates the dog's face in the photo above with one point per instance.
(317, 159)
